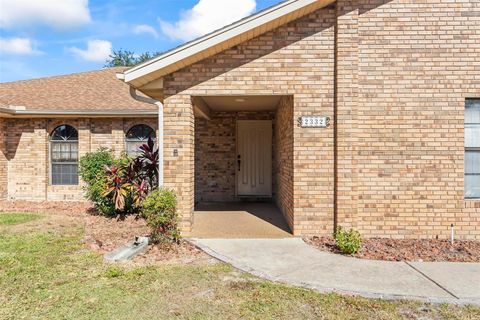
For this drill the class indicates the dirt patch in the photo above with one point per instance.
(106, 234)
(51, 207)
(407, 250)
(102, 234)
(184, 253)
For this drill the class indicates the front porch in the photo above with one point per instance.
(239, 220)
(243, 167)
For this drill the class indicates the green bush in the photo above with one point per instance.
(118, 185)
(91, 170)
(92, 164)
(160, 211)
(348, 242)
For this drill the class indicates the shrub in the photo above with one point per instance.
(95, 191)
(348, 242)
(93, 163)
(118, 186)
(130, 180)
(160, 211)
(91, 170)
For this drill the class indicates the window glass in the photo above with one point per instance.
(472, 148)
(64, 155)
(136, 137)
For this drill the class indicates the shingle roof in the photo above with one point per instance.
(97, 90)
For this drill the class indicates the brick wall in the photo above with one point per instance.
(283, 170)
(27, 153)
(296, 59)
(419, 60)
(179, 154)
(215, 154)
(3, 159)
(346, 114)
(394, 76)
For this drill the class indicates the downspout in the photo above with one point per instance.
(160, 144)
(159, 104)
(335, 129)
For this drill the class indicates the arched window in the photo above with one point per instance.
(64, 155)
(137, 136)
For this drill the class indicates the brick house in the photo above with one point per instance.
(364, 114)
(47, 124)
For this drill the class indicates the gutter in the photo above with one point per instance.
(22, 111)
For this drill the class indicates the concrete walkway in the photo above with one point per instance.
(293, 262)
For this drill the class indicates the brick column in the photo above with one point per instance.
(179, 154)
(345, 122)
(3, 159)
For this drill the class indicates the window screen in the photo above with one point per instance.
(64, 155)
(136, 137)
(472, 148)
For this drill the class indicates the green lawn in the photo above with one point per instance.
(16, 218)
(50, 275)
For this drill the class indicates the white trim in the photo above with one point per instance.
(79, 113)
(160, 144)
(216, 41)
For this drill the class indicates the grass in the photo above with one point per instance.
(50, 275)
(17, 218)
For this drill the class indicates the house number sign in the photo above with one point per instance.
(313, 121)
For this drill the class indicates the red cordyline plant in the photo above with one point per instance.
(117, 186)
(135, 180)
(149, 160)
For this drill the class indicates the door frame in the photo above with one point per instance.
(271, 159)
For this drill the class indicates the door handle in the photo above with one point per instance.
(239, 162)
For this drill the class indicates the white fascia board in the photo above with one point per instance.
(79, 113)
(216, 38)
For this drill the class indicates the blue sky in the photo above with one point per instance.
(49, 37)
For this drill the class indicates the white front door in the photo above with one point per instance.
(254, 158)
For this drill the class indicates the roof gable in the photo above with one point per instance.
(220, 40)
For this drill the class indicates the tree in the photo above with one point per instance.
(126, 58)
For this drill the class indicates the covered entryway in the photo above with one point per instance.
(243, 166)
(239, 220)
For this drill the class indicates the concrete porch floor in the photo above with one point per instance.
(239, 220)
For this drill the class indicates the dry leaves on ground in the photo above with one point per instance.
(407, 250)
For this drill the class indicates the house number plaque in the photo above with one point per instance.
(313, 121)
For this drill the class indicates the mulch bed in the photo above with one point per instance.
(407, 250)
(56, 207)
(104, 234)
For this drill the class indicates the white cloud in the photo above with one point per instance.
(59, 14)
(145, 28)
(17, 46)
(207, 16)
(97, 51)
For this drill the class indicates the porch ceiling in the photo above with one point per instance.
(241, 103)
